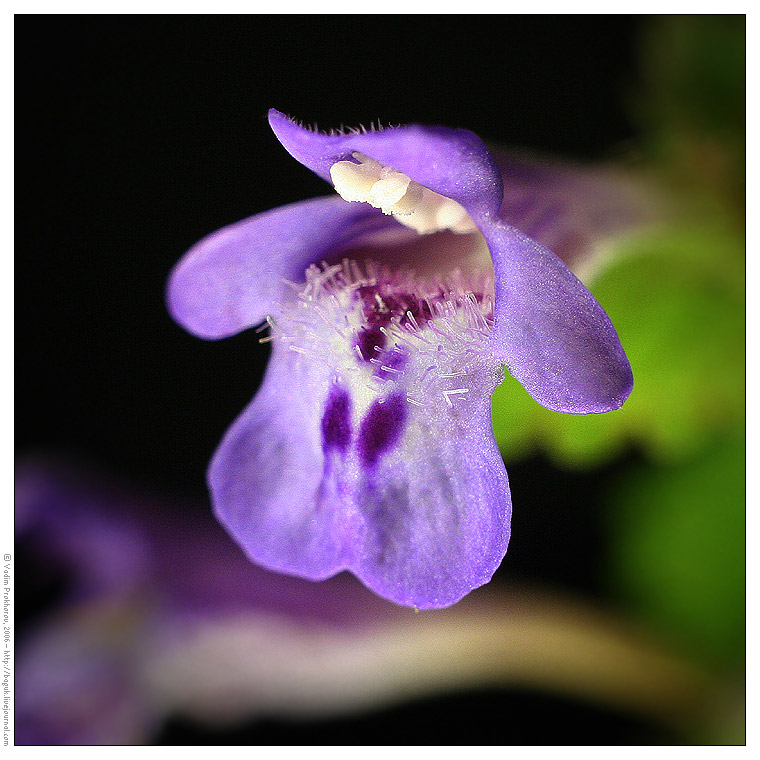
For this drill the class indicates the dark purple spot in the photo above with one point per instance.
(390, 364)
(381, 429)
(420, 310)
(368, 339)
(336, 421)
(382, 304)
(376, 310)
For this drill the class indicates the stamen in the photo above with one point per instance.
(365, 180)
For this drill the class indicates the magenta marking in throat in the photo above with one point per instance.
(381, 429)
(336, 421)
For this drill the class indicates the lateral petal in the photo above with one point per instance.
(235, 277)
(550, 331)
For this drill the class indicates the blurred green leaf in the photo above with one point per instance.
(693, 71)
(677, 548)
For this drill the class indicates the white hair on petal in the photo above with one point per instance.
(436, 333)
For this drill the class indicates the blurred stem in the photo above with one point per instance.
(268, 665)
(534, 639)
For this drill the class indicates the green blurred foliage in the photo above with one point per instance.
(690, 104)
(677, 549)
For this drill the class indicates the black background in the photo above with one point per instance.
(138, 135)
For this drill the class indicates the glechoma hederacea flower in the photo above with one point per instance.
(393, 307)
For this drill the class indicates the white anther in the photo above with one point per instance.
(395, 194)
(353, 181)
(390, 189)
(417, 207)
(450, 214)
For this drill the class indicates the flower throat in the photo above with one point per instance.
(391, 334)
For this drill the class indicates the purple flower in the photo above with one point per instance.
(369, 445)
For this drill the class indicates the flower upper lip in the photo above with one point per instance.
(550, 331)
(452, 162)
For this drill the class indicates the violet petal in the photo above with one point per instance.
(437, 508)
(422, 521)
(268, 468)
(573, 209)
(551, 332)
(235, 277)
